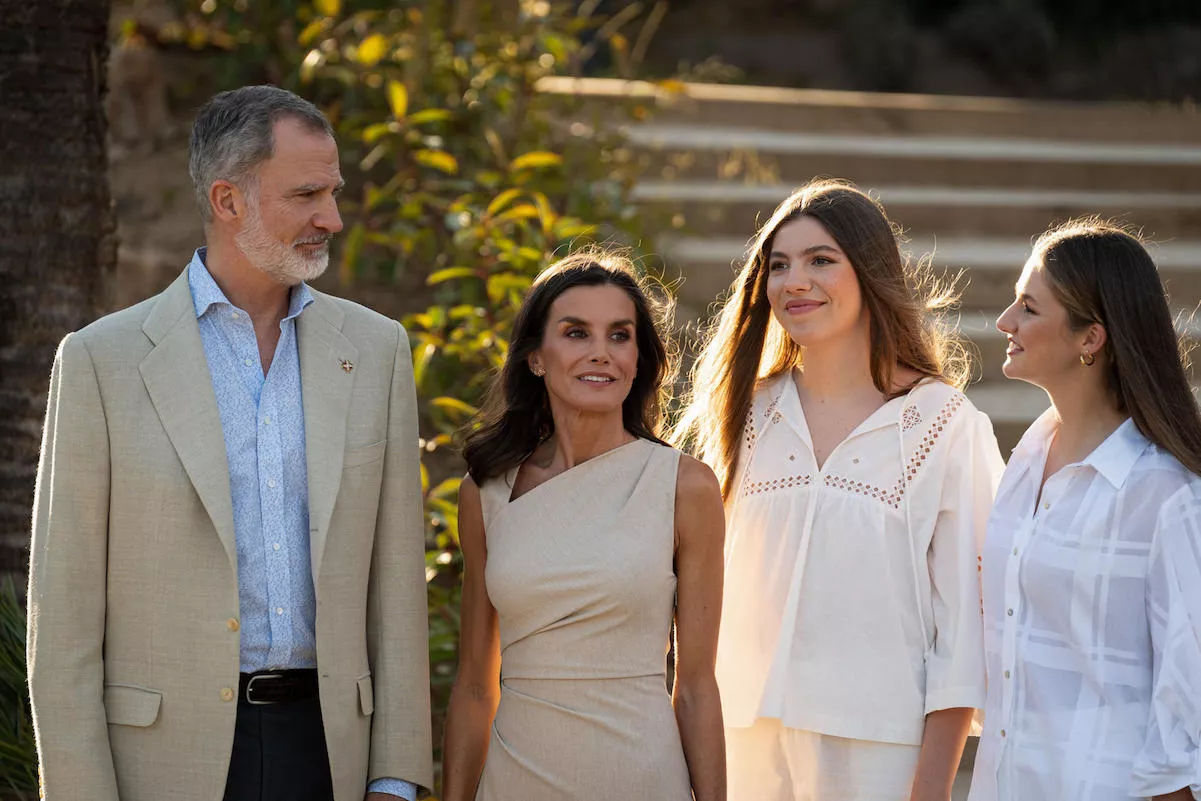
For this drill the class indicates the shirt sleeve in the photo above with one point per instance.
(955, 662)
(1170, 758)
(397, 787)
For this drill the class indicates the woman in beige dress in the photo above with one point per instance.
(584, 538)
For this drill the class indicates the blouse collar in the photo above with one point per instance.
(1114, 458)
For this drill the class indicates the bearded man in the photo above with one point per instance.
(227, 584)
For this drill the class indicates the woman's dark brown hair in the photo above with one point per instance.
(1101, 273)
(747, 344)
(516, 416)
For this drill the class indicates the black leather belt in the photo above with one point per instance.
(277, 686)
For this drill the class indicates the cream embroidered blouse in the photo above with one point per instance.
(852, 595)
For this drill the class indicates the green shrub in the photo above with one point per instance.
(18, 756)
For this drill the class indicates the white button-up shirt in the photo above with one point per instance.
(852, 596)
(1092, 604)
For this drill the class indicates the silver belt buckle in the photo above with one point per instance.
(250, 686)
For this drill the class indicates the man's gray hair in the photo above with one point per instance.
(232, 136)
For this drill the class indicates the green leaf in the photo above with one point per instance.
(372, 50)
(535, 160)
(502, 200)
(524, 211)
(450, 273)
(373, 132)
(398, 99)
(437, 159)
(430, 115)
(455, 406)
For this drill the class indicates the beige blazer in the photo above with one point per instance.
(133, 591)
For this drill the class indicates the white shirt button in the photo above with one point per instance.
(279, 610)
(275, 546)
(1007, 674)
(235, 316)
(247, 362)
(1046, 504)
(1009, 612)
(271, 483)
(1015, 550)
(267, 420)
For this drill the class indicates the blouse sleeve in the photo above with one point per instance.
(955, 662)
(1170, 758)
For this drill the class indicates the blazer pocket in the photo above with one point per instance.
(365, 455)
(127, 705)
(366, 695)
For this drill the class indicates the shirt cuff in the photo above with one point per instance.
(396, 787)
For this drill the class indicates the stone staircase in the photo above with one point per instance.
(972, 180)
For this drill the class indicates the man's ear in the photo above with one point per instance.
(227, 201)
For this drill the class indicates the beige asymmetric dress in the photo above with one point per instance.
(580, 572)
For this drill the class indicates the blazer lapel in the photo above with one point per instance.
(327, 360)
(176, 374)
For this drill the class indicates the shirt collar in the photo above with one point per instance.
(206, 293)
(1114, 458)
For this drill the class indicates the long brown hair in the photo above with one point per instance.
(1101, 273)
(516, 416)
(747, 344)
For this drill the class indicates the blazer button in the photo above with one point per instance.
(227, 694)
(232, 624)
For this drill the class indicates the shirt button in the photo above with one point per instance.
(227, 694)
(232, 624)
(1002, 732)
(275, 545)
(855, 460)
(267, 420)
(247, 362)
(1046, 504)
(1015, 551)
(1007, 674)
(279, 610)
(1009, 612)
(235, 316)
(271, 483)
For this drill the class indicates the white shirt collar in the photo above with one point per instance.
(1113, 458)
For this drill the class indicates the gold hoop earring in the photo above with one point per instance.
(1088, 359)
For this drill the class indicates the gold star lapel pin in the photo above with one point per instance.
(347, 365)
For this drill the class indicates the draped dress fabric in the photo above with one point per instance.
(580, 571)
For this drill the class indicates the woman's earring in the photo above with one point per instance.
(1088, 359)
(538, 370)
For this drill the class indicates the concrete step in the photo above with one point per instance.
(713, 208)
(674, 161)
(819, 111)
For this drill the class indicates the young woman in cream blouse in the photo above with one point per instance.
(857, 480)
(1092, 564)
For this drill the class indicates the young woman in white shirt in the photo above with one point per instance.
(857, 479)
(1092, 564)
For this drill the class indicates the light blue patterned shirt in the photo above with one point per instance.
(262, 419)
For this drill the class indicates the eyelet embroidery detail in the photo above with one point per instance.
(891, 496)
(759, 487)
(911, 418)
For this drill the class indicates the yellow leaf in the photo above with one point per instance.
(311, 32)
(536, 159)
(524, 211)
(329, 8)
(437, 159)
(502, 200)
(372, 50)
(398, 99)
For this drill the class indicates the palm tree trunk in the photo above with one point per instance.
(57, 240)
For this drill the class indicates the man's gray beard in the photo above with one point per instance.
(282, 262)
